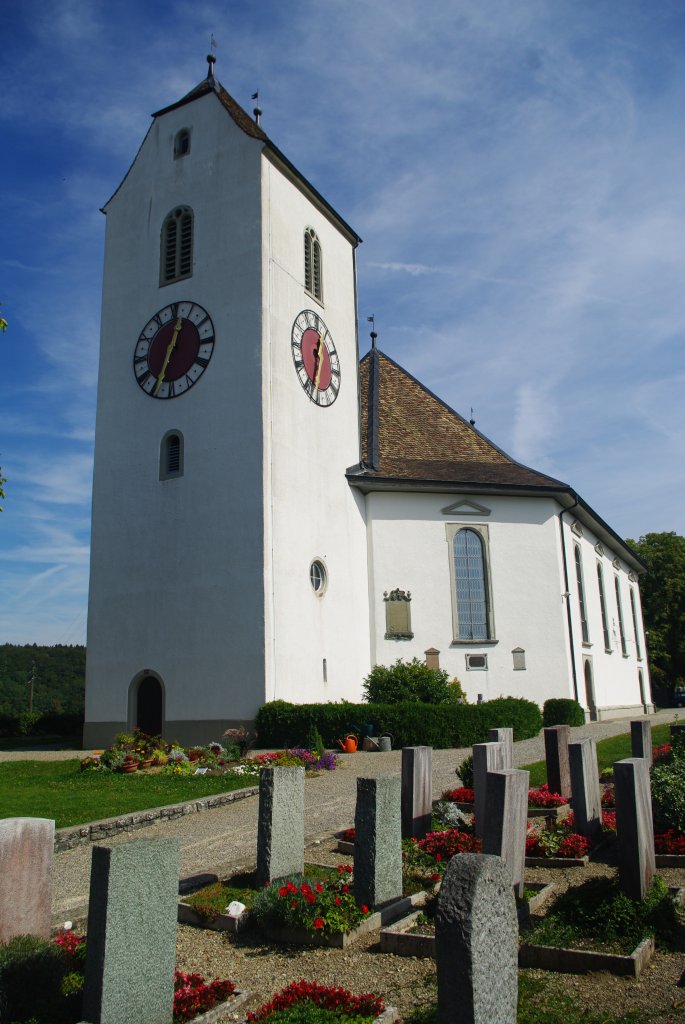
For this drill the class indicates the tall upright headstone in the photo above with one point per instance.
(487, 757)
(476, 943)
(505, 736)
(417, 791)
(634, 826)
(641, 739)
(585, 790)
(378, 841)
(280, 827)
(26, 853)
(132, 933)
(506, 821)
(557, 739)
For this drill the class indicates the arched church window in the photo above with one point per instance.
(313, 269)
(171, 455)
(603, 608)
(182, 143)
(636, 631)
(581, 594)
(177, 245)
(471, 589)
(619, 609)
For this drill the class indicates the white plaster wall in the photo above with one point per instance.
(409, 550)
(176, 565)
(310, 511)
(615, 676)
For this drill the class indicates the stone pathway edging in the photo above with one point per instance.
(69, 837)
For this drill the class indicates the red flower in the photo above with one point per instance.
(283, 891)
(310, 897)
(338, 901)
(365, 909)
(318, 923)
(319, 887)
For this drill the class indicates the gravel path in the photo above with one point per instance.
(223, 839)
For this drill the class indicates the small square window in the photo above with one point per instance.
(476, 662)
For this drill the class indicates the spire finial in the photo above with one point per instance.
(372, 321)
(257, 110)
(211, 59)
(472, 420)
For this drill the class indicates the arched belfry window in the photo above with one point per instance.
(177, 245)
(471, 589)
(171, 455)
(313, 270)
(182, 143)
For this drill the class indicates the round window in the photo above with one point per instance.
(317, 576)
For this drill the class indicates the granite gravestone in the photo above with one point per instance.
(280, 827)
(634, 826)
(585, 791)
(505, 736)
(378, 841)
(557, 739)
(417, 791)
(487, 757)
(641, 739)
(131, 953)
(476, 943)
(26, 853)
(506, 821)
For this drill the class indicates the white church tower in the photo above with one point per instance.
(228, 561)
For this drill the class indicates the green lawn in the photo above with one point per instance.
(59, 790)
(614, 748)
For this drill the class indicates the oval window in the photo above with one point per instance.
(318, 576)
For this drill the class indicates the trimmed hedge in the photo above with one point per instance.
(281, 724)
(48, 724)
(562, 711)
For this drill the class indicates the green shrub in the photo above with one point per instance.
(562, 711)
(32, 982)
(465, 772)
(668, 795)
(280, 724)
(409, 681)
(315, 741)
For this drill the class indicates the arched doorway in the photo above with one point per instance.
(590, 689)
(149, 706)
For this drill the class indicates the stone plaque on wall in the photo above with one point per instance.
(397, 615)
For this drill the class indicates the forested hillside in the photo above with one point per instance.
(59, 679)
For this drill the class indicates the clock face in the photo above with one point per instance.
(173, 350)
(316, 360)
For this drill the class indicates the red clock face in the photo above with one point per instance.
(173, 350)
(315, 357)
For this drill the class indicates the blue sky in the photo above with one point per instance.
(516, 170)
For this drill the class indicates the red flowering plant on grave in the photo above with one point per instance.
(661, 754)
(194, 995)
(461, 795)
(424, 860)
(328, 906)
(608, 821)
(542, 797)
(327, 997)
(347, 835)
(608, 798)
(71, 942)
(670, 841)
(558, 841)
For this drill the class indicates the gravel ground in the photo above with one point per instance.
(223, 839)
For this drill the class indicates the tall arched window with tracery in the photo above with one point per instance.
(471, 585)
(176, 260)
(313, 268)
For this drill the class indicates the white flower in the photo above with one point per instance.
(68, 925)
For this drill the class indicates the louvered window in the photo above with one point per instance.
(177, 245)
(182, 143)
(171, 455)
(313, 269)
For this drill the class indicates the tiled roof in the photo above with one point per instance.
(409, 434)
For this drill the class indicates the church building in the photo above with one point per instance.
(273, 516)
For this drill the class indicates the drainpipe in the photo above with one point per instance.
(568, 598)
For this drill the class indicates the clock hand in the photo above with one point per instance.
(170, 348)
(318, 366)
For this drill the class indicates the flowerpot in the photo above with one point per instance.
(145, 764)
(126, 769)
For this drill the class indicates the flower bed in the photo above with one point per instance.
(338, 1001)
(541, 802)
(424, 860)
(559, 846)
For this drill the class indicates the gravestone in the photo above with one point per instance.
(506, 822)
(417, 791)
(487, 757)
(280, 827)
(505, 736)
(585, 790)
(378, 841)
(634, 826)
(557, 739)
(131, 951)
(476, 943)
(26, 852)
(641, 739)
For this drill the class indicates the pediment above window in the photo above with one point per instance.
(467, 507)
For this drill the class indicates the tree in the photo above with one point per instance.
(663, 604)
